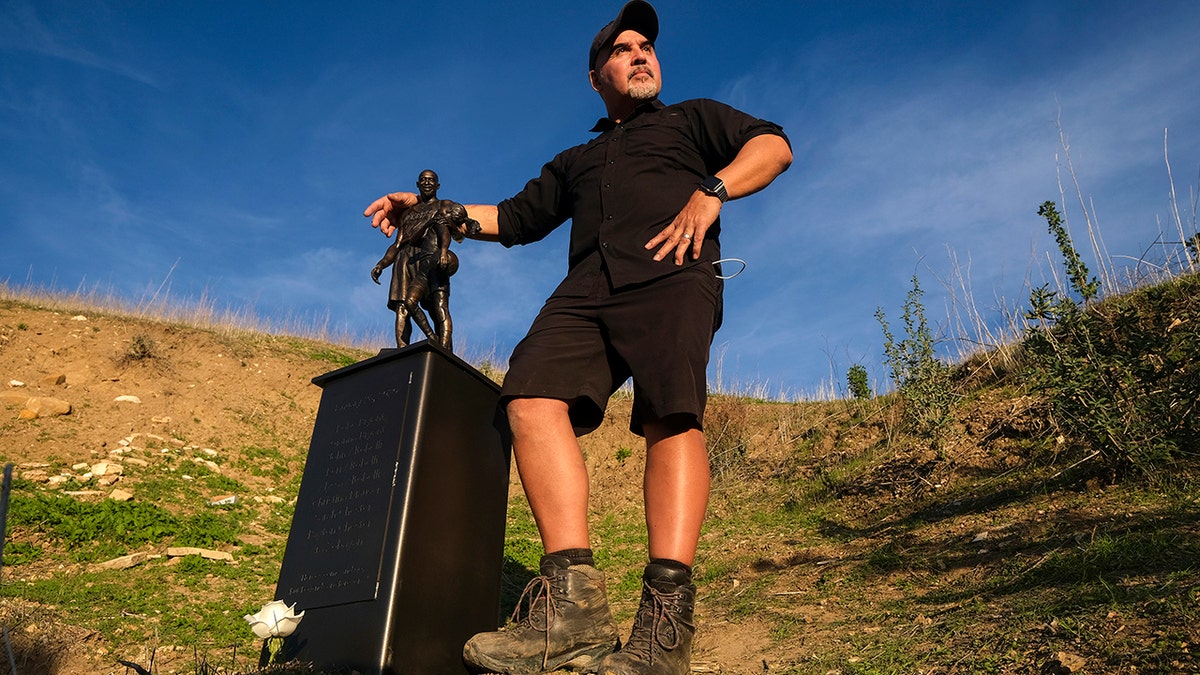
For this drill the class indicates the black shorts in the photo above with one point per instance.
(583, 348)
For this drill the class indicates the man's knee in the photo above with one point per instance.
(529, 415)
(672, 425)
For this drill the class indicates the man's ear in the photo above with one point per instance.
(594, 79)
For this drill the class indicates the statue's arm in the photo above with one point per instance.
(443, 237)
(388, 258)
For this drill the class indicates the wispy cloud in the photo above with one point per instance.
(21, 29)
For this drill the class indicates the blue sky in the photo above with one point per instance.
(230, 148)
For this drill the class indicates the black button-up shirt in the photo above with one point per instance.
(623, 187)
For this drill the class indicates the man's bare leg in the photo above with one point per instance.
(552, 470)
(675, 489)
(569, 624)
(676, 492)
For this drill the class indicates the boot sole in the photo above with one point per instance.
(585, 661)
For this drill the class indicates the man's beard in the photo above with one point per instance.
(643, 90)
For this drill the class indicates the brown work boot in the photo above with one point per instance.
(661, 643)
(568, 625)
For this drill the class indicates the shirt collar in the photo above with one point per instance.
(605, 124)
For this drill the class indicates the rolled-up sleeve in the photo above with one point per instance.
(720, 131)
(534, 212)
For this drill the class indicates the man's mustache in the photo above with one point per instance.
(640, 69)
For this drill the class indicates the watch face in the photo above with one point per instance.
(715, 187)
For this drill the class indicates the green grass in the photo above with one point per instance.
(264, 461)
(93, 531)
(119, 606)
(337, 357)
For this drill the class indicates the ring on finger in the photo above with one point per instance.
(687, 236)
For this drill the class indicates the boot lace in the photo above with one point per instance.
(539, 598)
(656, 624)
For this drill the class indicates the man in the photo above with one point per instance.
(422, 263)
(641, 298)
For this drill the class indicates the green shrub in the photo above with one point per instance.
(1121, 376)
(856, 379)
(922, 381)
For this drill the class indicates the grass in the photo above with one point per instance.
(202, 312)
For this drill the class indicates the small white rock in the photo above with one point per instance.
(126, 398)
(107, 469)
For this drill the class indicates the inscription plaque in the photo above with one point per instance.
(341, 512)
(397, 540)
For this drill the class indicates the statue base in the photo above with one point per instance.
(397, 542)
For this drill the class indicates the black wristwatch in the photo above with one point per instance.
(714, 186)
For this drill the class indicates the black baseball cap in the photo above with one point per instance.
(636, 15)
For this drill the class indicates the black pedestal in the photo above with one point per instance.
(397, 541)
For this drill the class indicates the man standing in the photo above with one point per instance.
(641, 299)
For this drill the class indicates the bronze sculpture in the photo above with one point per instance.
(422, 263)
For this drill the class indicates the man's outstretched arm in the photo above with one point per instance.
(487, 215)
(385, 214)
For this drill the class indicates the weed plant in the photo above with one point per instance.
(856, 380)
(922, 381)
(1120, 375)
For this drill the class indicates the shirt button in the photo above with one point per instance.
(608, 217)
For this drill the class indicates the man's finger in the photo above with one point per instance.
(375, 206)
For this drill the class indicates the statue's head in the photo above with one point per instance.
(427, 184)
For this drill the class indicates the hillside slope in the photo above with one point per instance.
(835, 543)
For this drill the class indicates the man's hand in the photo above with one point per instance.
(385, 212)
(687, 231)
(375, 272)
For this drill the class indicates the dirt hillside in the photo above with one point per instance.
(831, 546)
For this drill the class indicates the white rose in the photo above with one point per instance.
(274, 620)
